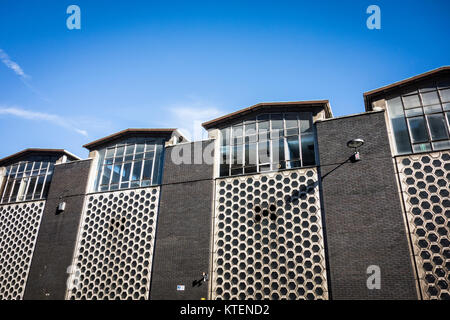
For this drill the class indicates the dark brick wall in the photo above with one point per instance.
(58, 232)
(363, 215)
(183, 234)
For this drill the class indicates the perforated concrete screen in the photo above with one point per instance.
(19, 226)
(114, 251)
(425, 185)
(268, 241)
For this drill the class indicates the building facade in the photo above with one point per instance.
(273, 205)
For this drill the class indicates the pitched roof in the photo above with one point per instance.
(28, 151)
(266, 106)
(369, 95)
(165, 132)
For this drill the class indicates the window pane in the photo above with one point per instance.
(445, 95)
(293, 148)
(237, 134)
(291, 120)
(237, 155)
(432, 109)
(278, 150)
(398, 123)
(140, 147)
(418, 129)
(441, 145)
(308, 153)
(116, 174)
(137, 166)
(126, 172)
(147, 174)
(120, 151)
(7, 191)
(414, 112)
(437, 126)
(129, 149)
(250, 154)
(31, 188)
(411, 101)
(46, 186)
(106, 174)
(421, 147)
(225, 136)
(430, 98)
(250, 128)
(277, 121)
(264, 152)
(39, 185)
(225, 155)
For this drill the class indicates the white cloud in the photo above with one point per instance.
(12, 65)
(189, 116)
(40, 116)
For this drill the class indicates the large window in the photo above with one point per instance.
(420, 118)
(266, 143)
(132, 163)
(28, 180)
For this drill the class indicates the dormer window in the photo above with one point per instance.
(267, 142)
(133, 163)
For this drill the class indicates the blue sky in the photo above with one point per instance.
(140, 64)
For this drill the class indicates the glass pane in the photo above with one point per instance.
(120, 151)
(237, 155)
(130, 149)
(237, 134)
(441, 145)
(414, 112)
(308, 154)
(137, 171)
(430, 98)
(421, 147)
(224, 170)
(106, 174)
(225, 155)
(126, 172)
(225, 136)
(277, 121)
(445, 95)
(48, 178)
(291, 120)
(147, 174)
(21, 167)
(250, 154)
(305, 122)
(418, 129)
(250, 169)
(39, 185)
(250, 128)
(7, 191)
(278, 150)
(438, 128)
(140, 147)
(236, 171)
(109, 153)
(116, 173)
(31, 188)
(264, 152)
(446, 106)
(15, 190)
(411, 101)
(138, 156)
(429, 86)
(398, 123)
(432, 109)
(293, 148)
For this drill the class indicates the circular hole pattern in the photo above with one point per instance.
(425, 182)
(268, 237)
(19, 225)
(115, 245)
